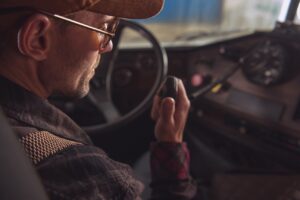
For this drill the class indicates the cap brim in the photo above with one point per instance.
(134, 9)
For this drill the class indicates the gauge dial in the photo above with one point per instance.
(266, 64)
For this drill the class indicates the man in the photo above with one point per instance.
(53, 47)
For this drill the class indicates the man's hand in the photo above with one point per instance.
(171, 116)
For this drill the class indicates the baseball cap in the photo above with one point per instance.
(137, 9)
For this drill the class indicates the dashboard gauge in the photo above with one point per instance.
(266, 64)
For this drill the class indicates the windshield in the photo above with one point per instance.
(193, 22)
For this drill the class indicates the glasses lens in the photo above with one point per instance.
(111, 28)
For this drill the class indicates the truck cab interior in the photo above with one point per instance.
(239, 63)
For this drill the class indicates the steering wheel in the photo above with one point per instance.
(100, 95)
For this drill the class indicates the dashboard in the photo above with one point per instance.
(244, 90)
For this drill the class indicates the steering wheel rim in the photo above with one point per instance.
(162, 68)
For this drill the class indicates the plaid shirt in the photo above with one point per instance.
(78, 170)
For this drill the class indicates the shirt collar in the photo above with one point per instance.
(22, 105)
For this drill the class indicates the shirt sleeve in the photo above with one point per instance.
(170, 172)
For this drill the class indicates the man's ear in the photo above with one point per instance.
(34, 37)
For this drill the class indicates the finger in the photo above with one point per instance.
(182, 107)
(182, 101)
(167, 110)
(155, 107)
(181, 90)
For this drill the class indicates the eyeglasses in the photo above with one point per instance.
(108, 34)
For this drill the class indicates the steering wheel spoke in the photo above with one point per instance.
(106, 107)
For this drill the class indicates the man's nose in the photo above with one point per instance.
(107, 48)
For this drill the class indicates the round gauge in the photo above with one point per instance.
(266, 64)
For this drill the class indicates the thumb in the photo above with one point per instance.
(168, 109)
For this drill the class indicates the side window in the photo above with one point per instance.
(297, 18)
(254, 14)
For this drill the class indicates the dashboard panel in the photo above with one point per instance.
(246, 89)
